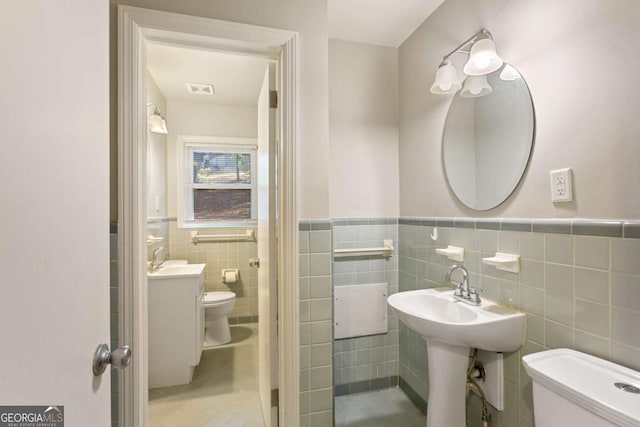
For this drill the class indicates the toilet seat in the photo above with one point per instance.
(217, 297)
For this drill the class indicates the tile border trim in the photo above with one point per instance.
(372, 384)
(581, 227)
(314, 224)
(338, 222)
(241, 320)
(413, 395)
(631, 229)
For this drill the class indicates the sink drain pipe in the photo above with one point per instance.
(476, 370)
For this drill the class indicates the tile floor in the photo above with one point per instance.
(224, 391)
(382, 408)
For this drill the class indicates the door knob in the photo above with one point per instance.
(254, 262)
(118, 358)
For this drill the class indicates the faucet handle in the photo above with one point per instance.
(474, 295)
(458, 291)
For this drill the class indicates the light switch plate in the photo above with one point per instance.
(561, 185)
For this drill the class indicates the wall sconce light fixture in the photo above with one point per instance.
(446, 79)
(155, 122)
(483, 60)
(475, 86)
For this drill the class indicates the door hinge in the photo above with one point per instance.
(273, 99)
(275, 398)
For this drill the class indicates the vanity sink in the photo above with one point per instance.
(436, 315)
(451, 329)
(175, 262)
(177, 271)
(175, 322)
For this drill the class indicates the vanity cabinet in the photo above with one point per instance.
(176, 325)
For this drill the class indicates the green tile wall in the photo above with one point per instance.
(579, 291)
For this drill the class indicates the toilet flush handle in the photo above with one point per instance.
(254, 262)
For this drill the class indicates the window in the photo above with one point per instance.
(219, 181)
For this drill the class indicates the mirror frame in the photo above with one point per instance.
(529, 154)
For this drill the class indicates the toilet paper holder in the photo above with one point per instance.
(230, 276)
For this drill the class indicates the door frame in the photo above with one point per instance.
(136, 26)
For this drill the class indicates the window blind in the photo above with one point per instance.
(219, 183)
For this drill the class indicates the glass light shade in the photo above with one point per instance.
(483, 58)
(509, 74)
(446, 81)
(156, 124)
(475, 86)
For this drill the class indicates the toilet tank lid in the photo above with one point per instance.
(588, 382)
(217, 296)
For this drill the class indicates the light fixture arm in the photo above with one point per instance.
(482, 34)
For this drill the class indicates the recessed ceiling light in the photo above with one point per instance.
(201, 89)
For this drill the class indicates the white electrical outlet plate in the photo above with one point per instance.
(561, 185)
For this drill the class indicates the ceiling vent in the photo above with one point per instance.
(200, 89)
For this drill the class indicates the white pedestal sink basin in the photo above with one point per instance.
(451, 329)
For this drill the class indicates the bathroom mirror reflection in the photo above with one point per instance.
(488, 137)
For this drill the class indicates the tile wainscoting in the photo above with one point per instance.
(316, 327)
(370, 362)
(217, 256)
(579, 286)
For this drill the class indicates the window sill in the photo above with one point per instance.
(220, 224)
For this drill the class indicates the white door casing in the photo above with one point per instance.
(136, 27)
(54, 190)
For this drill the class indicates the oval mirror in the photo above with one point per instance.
(488, 136)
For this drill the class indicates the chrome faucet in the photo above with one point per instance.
(154, 265)
(463, 291)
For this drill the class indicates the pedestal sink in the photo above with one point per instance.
(451, 329)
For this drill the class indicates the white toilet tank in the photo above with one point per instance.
(575, 389)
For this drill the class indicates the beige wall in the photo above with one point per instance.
(196, 119)
(309, 19)
(363, 130)
(577, 57)
(156, 156)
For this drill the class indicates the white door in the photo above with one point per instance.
(54, 206)
(267, 254)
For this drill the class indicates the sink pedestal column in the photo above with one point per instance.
(447, 384)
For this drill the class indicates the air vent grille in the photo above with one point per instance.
(201, 89)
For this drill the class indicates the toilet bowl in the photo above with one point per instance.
(576, 389)
(217, 306)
